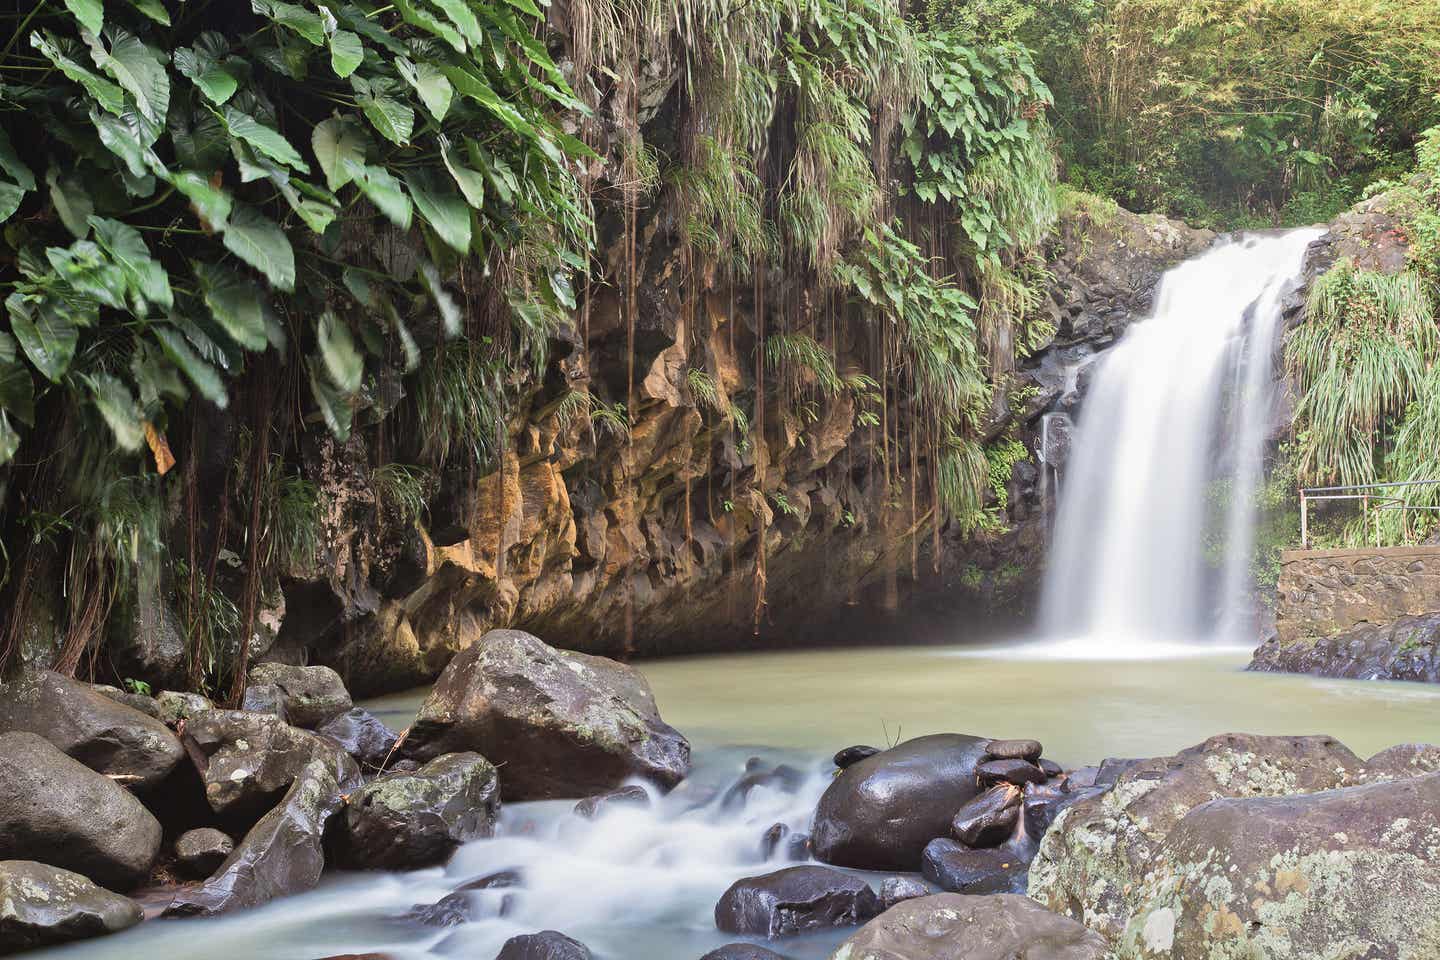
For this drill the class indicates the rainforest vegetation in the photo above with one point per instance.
(387, 219)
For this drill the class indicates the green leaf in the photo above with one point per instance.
(71, 202)
(264, 139)
(260, 242)
(110, 97)
(394, 119)
(89, 272)
(449, 309)
(153, 9)
(443, 209)
(121, 135)
(458, 12)
(471, 184)
(478, 90)
(338, 143)
(144, 275)
(9, 439)
(136, 68)
(10, 197)
(346, 52)
(217, 83)
(90, 13)
(17, 389)
(211, 204)
(117, 405)
(525, 6)
(427, 21)
(205, 377)
(337, 349)
(48, 339)
(305, 23)
(430, 83)
(11, 163)
(383, 190)
(334, 407)
(234, 302)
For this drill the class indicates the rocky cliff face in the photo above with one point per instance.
(652, 544)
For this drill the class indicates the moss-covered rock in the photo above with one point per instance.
(953, 927)
(42, 905)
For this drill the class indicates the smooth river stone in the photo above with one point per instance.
(1014, 750)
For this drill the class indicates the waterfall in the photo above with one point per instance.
(1173, 428)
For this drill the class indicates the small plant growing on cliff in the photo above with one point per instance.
(401, 489)
(611, 419)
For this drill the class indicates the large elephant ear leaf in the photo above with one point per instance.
(259, 241)
(47, 337)
(90, 13)
(234, 302)
(444, 209)
(338, 143)
(17, 389)
(144, 275)
(117, 406)
(136, 68)
(337, 349)
(334, 405)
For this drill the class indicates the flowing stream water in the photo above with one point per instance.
(1175, 418)
(640, 883)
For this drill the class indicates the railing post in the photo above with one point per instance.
(1304, 522)
(1365, 516)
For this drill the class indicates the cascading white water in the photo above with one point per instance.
(1182, 401)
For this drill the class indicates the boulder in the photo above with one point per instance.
(175, 707)
(283, 854)
(42, 905)
(560, 724)
(957, 868)
(879, 813)
(1349, 872)
(403, 821)
(989, 819)
(853, 755)
(631, 796)
(310, 695)
(1403, 760)
(461, 906)
(1044, 802)
(795, 900)
(146, 640)
(742, 951)
(1092, 860)
(247, 760)
(546, 945)
(362, 735)
(264, 698)
(200, 851)
(948, 926)
(108, 737)
(893, 890)
(59, 811)
(135, 701)
(1017, 772)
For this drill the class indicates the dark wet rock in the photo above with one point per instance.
(1014, 750)
(957, 868)
(1406, 648)
(362, 735)
(546, 945)
(135, 701)
(560, 724)
(57, 810)
(175, 707)
(1050, 768)
(403, 821)
(200, 851)
(41, 906)
(631, 796)
(894, 890)
(949, 926)
(1093, 858)
(1044, 802)
(128, 746)
(1297, 876)
(782, 777)
(1017, 772)
(880, 813)
(451, 911)
(742, 951)
(282, 855)
(796, 845)
(247, 760)
(265, 698)
(795, 900)
(146, 640)
(989, 819)
(1112, 769)
(853, 755)
(771, 839)
(311, 695)
(499, 880)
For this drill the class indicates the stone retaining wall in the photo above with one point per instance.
(1325, 592)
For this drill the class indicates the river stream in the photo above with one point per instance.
(641, 884)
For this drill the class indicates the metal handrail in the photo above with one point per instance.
(1381, 502)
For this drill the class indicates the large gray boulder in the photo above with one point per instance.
(1093, 858)
(1351, 872)
(879, 813)
(310, 695)
(283, 854)
(362, 735)
(795, 900)
(108, 737)
(950, 926)
(403, 821)
(57, 810)
(559, 724)
(41, 905)
(246, 760)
